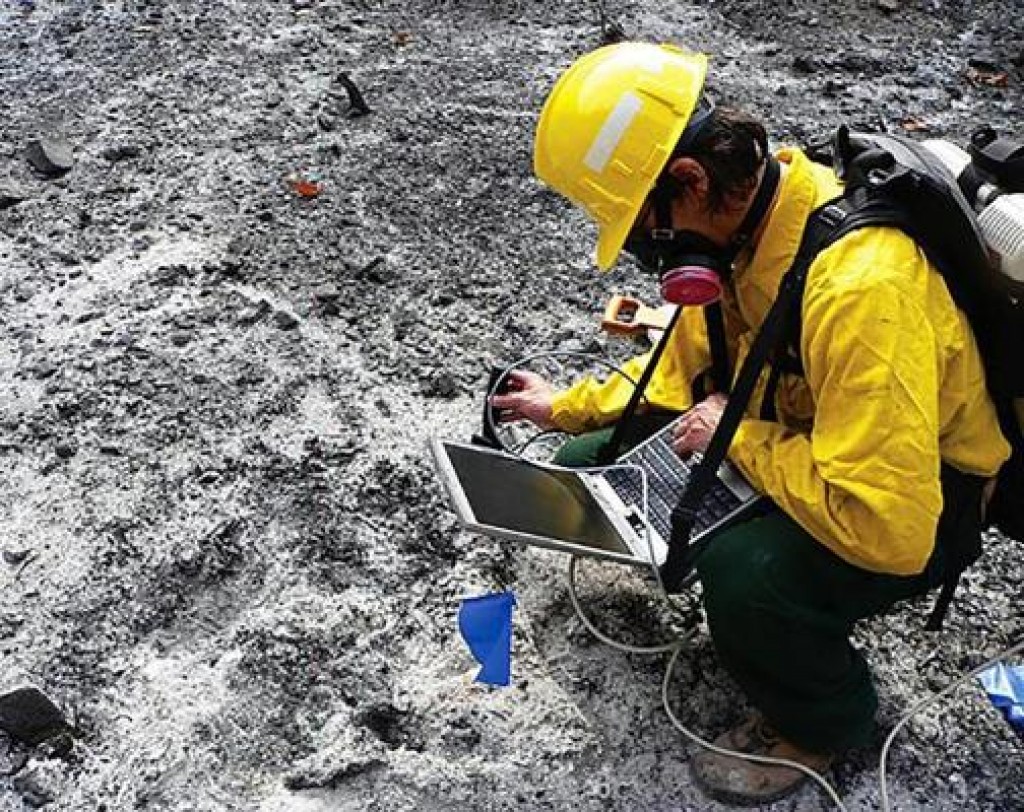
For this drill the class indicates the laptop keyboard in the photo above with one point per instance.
(667, 475)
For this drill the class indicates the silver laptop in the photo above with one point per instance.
(599, 514)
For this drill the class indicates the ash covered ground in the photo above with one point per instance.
(226, 555)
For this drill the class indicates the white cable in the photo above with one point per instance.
(661, 648)
(674, 649)
(925, 703)
(528, 359)
(724, 751)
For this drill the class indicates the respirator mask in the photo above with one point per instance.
(692, 267)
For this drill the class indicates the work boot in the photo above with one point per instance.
(736, 781)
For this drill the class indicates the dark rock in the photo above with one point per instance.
(986, 64)
(389, 724)
(332, 778)
(50, 156)
(804, 64)
(285, 320)
(11, 194)
(122, 152)
(44, 369)
(16, 556)
(66, 450)
(28, 716)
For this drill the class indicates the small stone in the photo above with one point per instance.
(15, 556)
(66, 450)
(804, 64)
(50, 156)
(327, 293)
(122, 152)
(11, 194)
(41, 781)
(888, 6)
(26, 714)
(251, 315)
(285, 320)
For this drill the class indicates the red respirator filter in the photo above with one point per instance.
(690, 286)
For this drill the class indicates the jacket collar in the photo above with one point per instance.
(805, 185)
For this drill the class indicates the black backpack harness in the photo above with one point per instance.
(893, 182)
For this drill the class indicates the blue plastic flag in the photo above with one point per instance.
(486, 625)
(1004, 685)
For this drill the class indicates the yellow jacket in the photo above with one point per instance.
(894, 385)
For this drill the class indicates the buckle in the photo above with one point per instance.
(662, 234)
(833, 214)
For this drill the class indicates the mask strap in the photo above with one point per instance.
(758, 207)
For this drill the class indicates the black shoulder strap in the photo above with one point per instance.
(610, 450)
(720, 375)
(681, 554)
(857, 209)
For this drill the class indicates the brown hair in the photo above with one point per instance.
(732, 148)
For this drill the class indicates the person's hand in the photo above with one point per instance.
(529, 397)
(695, 428)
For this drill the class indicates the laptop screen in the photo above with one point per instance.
(519, 496)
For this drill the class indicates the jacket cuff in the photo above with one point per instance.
(563, 415)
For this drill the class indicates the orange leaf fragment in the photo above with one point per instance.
(306, 188)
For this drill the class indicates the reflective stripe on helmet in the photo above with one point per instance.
(612, 131)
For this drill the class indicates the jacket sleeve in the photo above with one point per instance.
(593, 403)
(865, 481)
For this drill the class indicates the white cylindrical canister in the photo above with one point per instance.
(1002, 224)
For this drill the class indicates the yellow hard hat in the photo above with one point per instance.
(608, 128)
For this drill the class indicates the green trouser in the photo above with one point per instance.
(780, 607)
(583, 450)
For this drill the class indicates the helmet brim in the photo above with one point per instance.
(610, 240)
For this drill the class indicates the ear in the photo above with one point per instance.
(690, 175)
